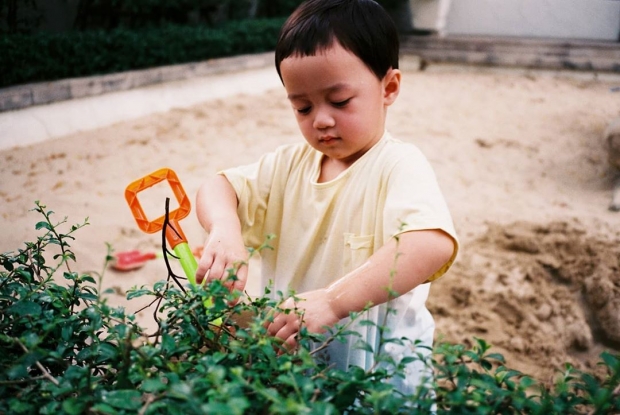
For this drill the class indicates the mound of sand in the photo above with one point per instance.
(548, 294)
(518, 155)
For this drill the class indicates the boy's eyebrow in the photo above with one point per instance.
(336, 87)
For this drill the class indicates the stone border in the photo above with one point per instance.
(23, 96)
(557, 54)
(532, 53)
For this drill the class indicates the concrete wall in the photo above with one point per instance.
(577, 19)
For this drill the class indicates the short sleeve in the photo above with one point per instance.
(414, 201)
(253, 184)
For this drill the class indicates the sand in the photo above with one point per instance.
(518, 155)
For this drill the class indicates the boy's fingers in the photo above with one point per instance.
(235, 275)
(217, 271)
(275, 325)
(269, 318)
(203, 267)
(238, 285)
(242, 278)
(291, 328)
(291, 343)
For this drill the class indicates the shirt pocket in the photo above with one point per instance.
(357, 249)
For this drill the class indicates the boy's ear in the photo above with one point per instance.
(391, 86)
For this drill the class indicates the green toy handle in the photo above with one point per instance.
(188, 261)
(189, 265)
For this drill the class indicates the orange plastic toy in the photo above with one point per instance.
(174, 234)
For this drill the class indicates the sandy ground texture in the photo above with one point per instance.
(518, 155)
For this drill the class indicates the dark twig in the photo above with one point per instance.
(164, 245)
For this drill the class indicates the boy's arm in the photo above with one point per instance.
(399, 266)
(216, 207)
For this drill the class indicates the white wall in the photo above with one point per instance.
(577, 19)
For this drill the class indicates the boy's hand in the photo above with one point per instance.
(317, 312)
(223, 251)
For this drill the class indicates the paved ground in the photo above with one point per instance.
(59, 108)
(41, 122)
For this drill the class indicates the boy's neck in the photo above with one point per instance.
(331, 168)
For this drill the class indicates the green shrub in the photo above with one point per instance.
(278, 8)
(66, 351)
(111, 14)
(118, 36)
(45, 57)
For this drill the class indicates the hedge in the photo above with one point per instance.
(65, 350)
(44, 57)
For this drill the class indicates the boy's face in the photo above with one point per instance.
(340, 105)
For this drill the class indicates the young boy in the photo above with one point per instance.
(356, 213)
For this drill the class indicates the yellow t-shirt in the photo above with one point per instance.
(325, 230)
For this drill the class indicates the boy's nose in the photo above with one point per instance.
(323, 119)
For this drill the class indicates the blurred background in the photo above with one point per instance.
(43, 40)
(27, 16)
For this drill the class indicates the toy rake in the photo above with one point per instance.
(170, 221)
(174, 234)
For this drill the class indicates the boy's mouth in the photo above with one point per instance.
(327, 139)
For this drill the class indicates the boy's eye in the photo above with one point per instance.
(304, 110)
(340, 104)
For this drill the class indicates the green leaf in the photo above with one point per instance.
(51, 408)
(409, 359)
(30, 340)
(323, 408)
(167, 343)
(137, 293)
(486, 364)
(20, 407)
(73, 406)
(88, 296)
(120, 330)
(72, 276)
(44, 225)
(611, 360)
(526, 382)
(153, 385)
(123, 399)
(106, 351)
(25, 308)
(8, 265)
(496, 356)
(88, 278)
(18, 371)
(160, 285)
(483, 346)
(235, 406)
(104, 409)
(66, 332)
(84, 354)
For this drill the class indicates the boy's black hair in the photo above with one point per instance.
(362, 27)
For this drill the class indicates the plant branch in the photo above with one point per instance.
(20, 381)
(164, 245)
(157, 298)
(150, 398)
(43, 370)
